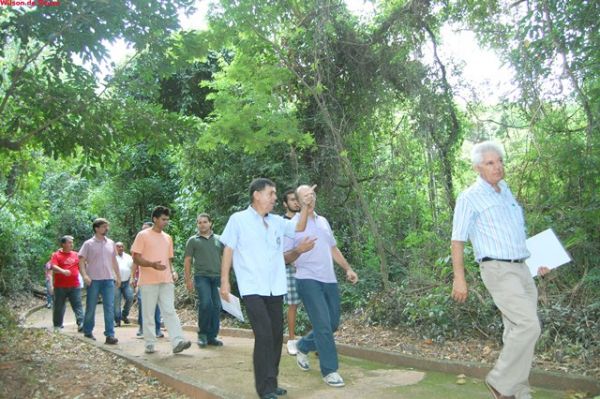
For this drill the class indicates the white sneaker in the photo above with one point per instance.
(334, 380)
(291, 347)
(302, 361)
(149, 349)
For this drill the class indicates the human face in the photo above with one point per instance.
(306, 195)
(67, 246)
(291, 203)
(120, 249)
(161, 222)
(204, 225)
(264, 200)
(102, 229)
(491, 168)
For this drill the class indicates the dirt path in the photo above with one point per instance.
(227, 371)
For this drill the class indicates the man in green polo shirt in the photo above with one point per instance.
(204, 251)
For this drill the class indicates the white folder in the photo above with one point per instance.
(546, 250)
(233, 307)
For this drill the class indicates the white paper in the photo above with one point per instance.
(233, 307)
(546, 250)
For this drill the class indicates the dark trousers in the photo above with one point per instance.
(209, 305)
(60, 303)
(266, 317)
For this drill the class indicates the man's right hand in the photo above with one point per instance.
(225, 290)
(189, 285)
(459, 290)
(157, 265)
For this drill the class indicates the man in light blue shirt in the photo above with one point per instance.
(487, 214)
(253, 239)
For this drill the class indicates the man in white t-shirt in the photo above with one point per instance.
(125, 262)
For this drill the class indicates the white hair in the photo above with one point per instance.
(485, 147)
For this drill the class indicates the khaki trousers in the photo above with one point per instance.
(163, 295)
(515, 294)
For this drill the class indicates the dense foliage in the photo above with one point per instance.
(308, 92)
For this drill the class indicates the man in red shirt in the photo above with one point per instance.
(65, 264)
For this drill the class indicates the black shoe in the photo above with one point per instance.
(280, 391)
(111, 341)
(180, 347)
(215, 342)
(160, 335)
(126, 320)
(269, 396)
(117, 323)
(202, 342)
(80, 327)
(90, 336)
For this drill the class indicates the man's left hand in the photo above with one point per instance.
(542, 271)
(351, 276)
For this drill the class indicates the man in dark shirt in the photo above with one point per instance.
(204, 251)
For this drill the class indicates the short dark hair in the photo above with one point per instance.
(288, 192)
(159, 211)
(64, 239)
(259, 184)
(204, 215)
(99, 222)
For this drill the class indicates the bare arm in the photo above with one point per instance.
(226, 261)
(60, 270)
(459, 285)
(305, 245)
(187, 268)
(173, 272)
(339, 258)
(134, 275)
(140, 261)
(116, 270)
(83, 270)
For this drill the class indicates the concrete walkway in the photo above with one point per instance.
(226, 372)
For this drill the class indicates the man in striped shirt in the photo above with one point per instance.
(488, 215)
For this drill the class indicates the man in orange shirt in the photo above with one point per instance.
(153, 251)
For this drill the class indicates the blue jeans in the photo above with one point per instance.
(106, 288)
(60, 304)
(322, 304)
(141, 318)
(48, 294)
(209, 305)
(125, 291)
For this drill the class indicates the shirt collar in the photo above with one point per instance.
(256, 214)
(96, 239)
(297, 216)
(488, 187)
